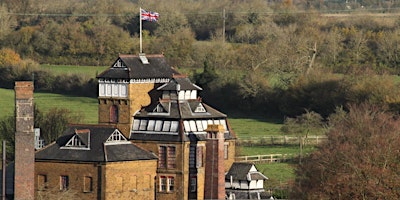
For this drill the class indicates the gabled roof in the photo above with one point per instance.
(99, 147)
(183, 82)
(177, 112)
(131, 67)
(180, 110)
(245, 172)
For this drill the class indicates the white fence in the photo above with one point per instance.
(269, 158)
(280, 140)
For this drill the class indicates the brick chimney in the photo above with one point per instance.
(214, 185)
(24, 177)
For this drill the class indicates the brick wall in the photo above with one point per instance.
(75, 172)
(24, 141)
(214, 187)
(231, 154)
(180, 173)
(118, 180)
(138, 97)
(129, 180)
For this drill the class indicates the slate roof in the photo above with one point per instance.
(135, 69)
(241, 171)
(186, 110)
(184, 84)
(99, 151)
(248, 194)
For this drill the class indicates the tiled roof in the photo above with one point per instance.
(241, 171)
(135, 69)
(98, 150)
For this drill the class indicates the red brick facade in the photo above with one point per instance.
(214, 186)
(24, 142)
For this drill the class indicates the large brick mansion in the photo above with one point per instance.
(155, 139)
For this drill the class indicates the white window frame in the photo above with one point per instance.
(163, 183)
(167, 183)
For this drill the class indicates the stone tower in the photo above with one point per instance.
(214, 186)
(24, 141)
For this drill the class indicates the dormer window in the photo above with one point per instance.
(75, 141)
(116, 137)
(80, 141)
(200, 109)
(119, 64)
(160, 109)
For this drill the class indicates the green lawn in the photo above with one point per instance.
(86, 71)
(85, 106)
(279, 175)
(273, 149)
(6, 102)
(255, 126)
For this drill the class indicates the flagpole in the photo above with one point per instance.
(140, 31)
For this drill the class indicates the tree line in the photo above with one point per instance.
(273, 58)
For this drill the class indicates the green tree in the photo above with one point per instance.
(208, 75)
(51, 124)
(54, 122)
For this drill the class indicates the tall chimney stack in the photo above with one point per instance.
(214, 186)
(24, 177)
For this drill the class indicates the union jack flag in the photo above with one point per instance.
(149, 15)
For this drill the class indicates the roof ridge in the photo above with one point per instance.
(137, 56)
(93, 125)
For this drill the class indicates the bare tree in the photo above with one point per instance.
(360, 160)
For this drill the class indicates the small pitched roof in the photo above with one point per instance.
(131, 67)
(183, 82)
(97, 148)
(244, 171)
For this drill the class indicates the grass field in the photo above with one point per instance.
(85, 106)
(255, 126)
(86, 71)
(274, 149)
(279, 175)
(6, 102)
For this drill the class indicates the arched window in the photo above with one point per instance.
(114, 114)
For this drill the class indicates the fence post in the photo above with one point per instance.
(272, 139)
